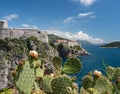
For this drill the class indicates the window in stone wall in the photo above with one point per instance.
(39, 32)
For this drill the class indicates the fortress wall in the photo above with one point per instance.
(5, 33)
(17, 33)
(26, 32)
(43, 37)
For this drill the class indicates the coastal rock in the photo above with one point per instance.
(4, 67)
(13, 50)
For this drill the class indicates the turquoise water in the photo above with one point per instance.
(111, 56)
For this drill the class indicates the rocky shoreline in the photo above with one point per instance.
(79, 53)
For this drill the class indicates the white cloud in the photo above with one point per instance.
(80, 35)
(11, 17)
(35, 27)
(29, 26)
(83, 36)
(79, 16)
(25, 25)
(69, 19)
(87, 2)
(85, 14)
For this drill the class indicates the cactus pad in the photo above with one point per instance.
(103, 86)
(45, 84)
(57, 62)
(83, 91)
(60, 83)
(72, 66)
(87, 82)
(25, 79)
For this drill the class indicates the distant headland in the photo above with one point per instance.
(112, 45)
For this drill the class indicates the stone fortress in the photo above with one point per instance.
(6, 32)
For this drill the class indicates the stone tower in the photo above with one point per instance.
(3, 24)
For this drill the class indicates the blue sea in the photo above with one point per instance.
(110, 56)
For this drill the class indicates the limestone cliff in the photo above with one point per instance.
(12, 50)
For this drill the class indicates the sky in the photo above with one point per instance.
(97, 21)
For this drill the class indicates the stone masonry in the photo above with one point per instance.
(6, 32)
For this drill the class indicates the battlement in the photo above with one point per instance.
(20, 32)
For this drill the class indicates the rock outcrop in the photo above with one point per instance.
(13, 50)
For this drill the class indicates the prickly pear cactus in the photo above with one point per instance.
(60, 83)
(112, 73)
(103, 86)
(87, 82)
(26, 75)
(45, 84)
(83, 91)
(25, 78)
(72, 66)
(73, 89)
(38, 92)
(57, 62)
(117, 84)
(39, 68)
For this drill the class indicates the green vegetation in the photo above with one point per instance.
(29, 77)
(18, 48)
(53, 38)
(53, 45)
(113, 45)
(57, 62)
(7, 91)
(60, 83)
(72, 66)
(45, 84)
(77, 47)
(26, 75)
(102, 84)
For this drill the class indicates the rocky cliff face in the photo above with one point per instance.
(71, 51)
(12, 50)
